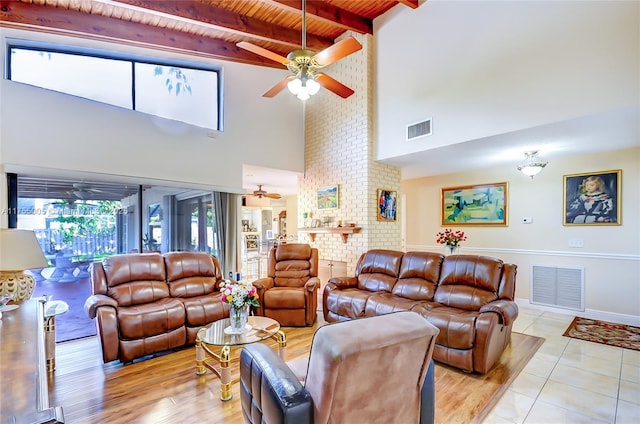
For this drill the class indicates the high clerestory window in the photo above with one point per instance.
(174, 90)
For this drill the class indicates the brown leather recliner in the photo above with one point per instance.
(475, 313)
(289, 292)
(368, 370)
(194, 279)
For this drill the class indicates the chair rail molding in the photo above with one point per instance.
(563, 253)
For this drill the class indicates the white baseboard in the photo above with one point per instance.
(587, 313)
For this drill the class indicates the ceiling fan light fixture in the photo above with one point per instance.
(294, 86)
(303, 94)
(303, 86)
(532, 164)
(312, 86)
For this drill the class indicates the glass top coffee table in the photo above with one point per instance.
(213, 336)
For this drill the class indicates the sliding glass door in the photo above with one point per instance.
(196, 225)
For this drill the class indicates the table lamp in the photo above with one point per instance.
(19, 251)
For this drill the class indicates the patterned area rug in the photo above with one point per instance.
(592, 330)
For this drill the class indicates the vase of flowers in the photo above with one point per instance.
(238, 318)
(451, 239)
(240, 296)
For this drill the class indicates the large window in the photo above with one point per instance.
(172, 90)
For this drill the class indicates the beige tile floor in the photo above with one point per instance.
(570, 380)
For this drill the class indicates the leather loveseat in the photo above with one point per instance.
(469, 298)
(145, 303)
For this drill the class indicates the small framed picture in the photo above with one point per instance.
(592, 198)
(481, 204)
(387, 202)
(315, 223)
(328, 197)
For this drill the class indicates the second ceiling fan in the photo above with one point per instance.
(260, 193)
(305, 63)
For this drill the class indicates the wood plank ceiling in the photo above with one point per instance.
(203, 28)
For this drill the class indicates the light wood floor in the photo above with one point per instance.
(165, 389)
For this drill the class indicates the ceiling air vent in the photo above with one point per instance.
(421, 129)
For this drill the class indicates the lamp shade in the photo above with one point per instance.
(20, 250)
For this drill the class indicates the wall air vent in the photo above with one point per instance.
(420, 129)
(559, 287)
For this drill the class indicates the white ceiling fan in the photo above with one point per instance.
(305, 64)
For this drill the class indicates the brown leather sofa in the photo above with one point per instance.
(469, 298)
(145, 303)
(289, 293)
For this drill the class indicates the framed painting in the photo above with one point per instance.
(482, 204)
(387, 201)
(328, 197)
(593, 198)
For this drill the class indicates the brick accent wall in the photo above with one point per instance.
(340, 150)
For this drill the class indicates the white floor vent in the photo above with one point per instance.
(560, 287)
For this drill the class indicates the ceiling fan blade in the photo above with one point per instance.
(278, 87)
(263, 52)
(82, 194)
(272, 195)
(332, 85)
(337, 51)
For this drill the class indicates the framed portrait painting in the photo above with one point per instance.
(482, 204)
(387, 202)
(592, 198)
(328, 197)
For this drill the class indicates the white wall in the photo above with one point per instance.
(43, 130)
(555, 60)
(292, 216)
(610, 256)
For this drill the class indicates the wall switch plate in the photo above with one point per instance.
(576, 242)
(527, 220)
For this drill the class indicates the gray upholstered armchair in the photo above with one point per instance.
(374, 370)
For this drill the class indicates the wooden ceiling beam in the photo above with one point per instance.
(328, 13)
(208, 15)
(30, 16)
(411, 3)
